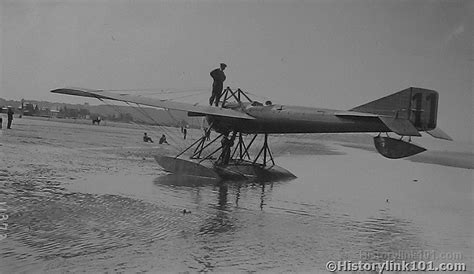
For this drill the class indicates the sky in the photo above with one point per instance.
(331, 54)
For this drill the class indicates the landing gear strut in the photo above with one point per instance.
(236, 161)
(240, 153)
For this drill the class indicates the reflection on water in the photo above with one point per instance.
(221, 221)
(175, 180)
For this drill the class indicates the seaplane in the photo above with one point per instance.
(238, 120)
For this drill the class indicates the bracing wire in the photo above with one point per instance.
(189, 95)
(151, 91)
(167, 130)
(258, 96)
(141, 126)
(173, 118)
(162, 127)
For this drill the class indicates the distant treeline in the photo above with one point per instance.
(127, 114)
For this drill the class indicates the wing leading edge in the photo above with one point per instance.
(146, 101)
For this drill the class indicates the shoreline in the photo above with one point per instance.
(290, 144)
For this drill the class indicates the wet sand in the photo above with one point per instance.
(91, 198)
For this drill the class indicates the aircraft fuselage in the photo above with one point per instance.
(278, 119)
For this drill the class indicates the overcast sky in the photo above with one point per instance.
(333, 54)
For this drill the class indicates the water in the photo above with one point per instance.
(97, 201)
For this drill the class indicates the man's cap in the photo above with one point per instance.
(222, 64)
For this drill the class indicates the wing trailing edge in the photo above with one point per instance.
(146, 101)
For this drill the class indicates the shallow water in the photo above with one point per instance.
(95, 201)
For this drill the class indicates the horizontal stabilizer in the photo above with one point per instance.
(401, 127)
(438, 133)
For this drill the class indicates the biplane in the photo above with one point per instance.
(238, 120)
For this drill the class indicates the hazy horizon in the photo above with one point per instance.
(313, 53)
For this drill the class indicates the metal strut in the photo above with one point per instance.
(237, 95)
(266, 150)
(241, 149)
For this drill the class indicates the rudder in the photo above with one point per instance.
(418, 105)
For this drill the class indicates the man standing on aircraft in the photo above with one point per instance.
(219, 77)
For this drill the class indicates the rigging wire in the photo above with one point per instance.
(162, 127)
(159, 90)
(140, 109)
(189, 95)
(167, 130)
(141, 126)
(178, 122)
(181, 145)
(258, 96)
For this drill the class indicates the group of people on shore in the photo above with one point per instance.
(147, 139)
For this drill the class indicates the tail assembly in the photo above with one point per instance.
(418, 106)
(406, 113)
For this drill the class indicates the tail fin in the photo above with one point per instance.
(417, 105)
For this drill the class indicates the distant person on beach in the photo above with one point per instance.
(146, 138)
(185, 132)
(219, 77)
(96, 120)
(10, 117)
(163, 140)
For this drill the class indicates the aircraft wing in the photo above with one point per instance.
(205, 110)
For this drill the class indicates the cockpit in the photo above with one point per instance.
(258, 104)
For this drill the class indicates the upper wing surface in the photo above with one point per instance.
(100, 94)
